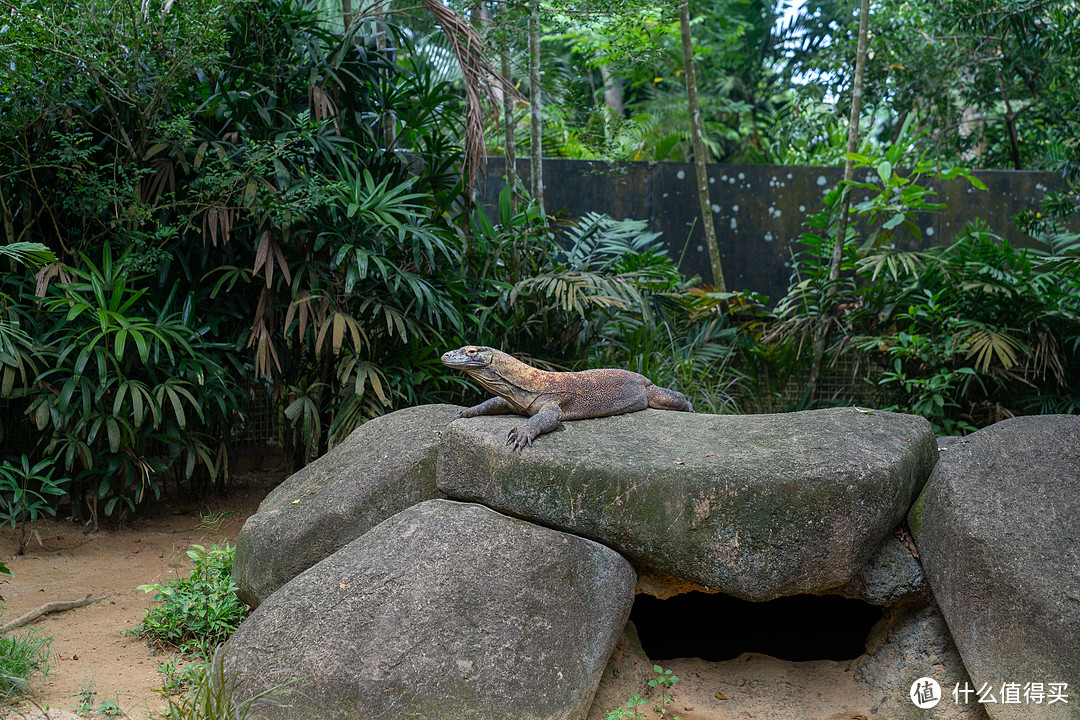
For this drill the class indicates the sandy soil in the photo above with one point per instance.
(64, 563)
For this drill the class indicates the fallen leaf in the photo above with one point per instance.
(909, 542)
(679, 462)
(295, 502)
(341, 585)
(709, 454)
(720, 695)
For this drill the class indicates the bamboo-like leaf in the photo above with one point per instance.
(987, 344)
(263, 259)
(284, 266)
(113, 429)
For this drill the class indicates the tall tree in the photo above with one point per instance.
(824, 321)
(700, 157)
(536, 123)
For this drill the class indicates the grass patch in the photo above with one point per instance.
(210, 693)
(22, 658)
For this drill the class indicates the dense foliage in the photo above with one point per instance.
(966, 333)
(992, 82)
(213, 206)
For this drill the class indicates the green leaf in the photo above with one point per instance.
(894, 221)
(884, 170)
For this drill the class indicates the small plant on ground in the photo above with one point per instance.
(86, 700)
(27, 493)
(88, 707)
(664, 679)
(630, 711)
(198, 612)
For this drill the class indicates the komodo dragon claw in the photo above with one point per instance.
(518, 439)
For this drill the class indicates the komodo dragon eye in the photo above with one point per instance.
(472, 351)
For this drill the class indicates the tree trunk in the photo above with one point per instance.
(508, 135)
(821, 332)
(613, 94)
(700, 158)
(536, 127)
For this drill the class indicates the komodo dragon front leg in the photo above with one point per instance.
(545, 420)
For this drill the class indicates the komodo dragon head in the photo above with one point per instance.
(485, 365)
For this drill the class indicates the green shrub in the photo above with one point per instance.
(198, 612)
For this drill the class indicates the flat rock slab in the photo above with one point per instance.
(756, 506)
(998, 532)
(383, 467)
(446, 611)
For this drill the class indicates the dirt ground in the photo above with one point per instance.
(64, 563)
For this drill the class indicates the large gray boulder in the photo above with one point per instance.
(383, 467)
(909, 643)
(756, 506)
(444, 611)
(998, 532)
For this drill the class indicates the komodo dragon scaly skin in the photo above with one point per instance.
(550, 397)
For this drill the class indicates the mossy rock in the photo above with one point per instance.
(756, 506)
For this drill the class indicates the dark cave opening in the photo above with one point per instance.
(717, 627)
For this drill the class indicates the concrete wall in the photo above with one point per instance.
(758, 210)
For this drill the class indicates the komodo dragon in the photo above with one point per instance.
(549, 397)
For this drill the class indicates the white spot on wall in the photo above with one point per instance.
(712, 180)
(723, 178)
(929, 232)
(701, 248)
(821, 180)
(681, 174)
(734, 223)
(742, 176)
(734, 208)
(731, 180)
(768, 237)
(715, 208)
(802, 208)
(790, 176)
(665, 194)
